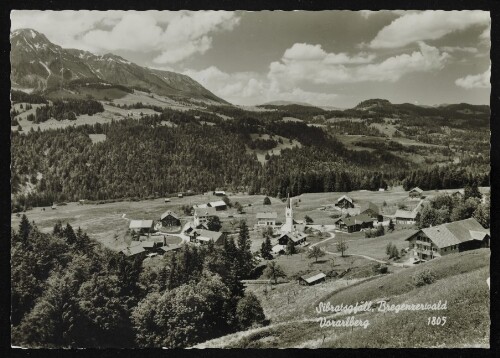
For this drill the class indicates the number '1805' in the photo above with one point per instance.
(436, 321)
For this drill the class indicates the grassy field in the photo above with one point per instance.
(261, 154)
(460, 281)
(373, 247)
(105, 223)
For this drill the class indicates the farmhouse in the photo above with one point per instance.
(405, 217)
(354, 223)
(415, 192)
(134, 249)
(201, 215)
(344, 202)
(218, 205)
(219, 193)
(169, 219)
(141, 226)
(204, 236)
(169, 248)
(370, 210)
(295, 237)
(448, 238)
(266, 219)
(312, 278)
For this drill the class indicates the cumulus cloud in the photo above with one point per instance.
(250, 88)
(460, 49)
(332, 69)
(173, 35)
(427, 25)
(481, 80)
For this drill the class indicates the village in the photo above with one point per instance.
(350, 225)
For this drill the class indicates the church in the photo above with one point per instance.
(290, 224)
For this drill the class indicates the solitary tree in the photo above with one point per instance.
(238, 207)
(316, 253)
(308, 219)
(391, 225)
(342, 247)
(273, 271)
(290, 248)
(266, 249)
(267, 201)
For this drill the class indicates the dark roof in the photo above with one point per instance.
(294, 236)
(167, 213)
(455, 232)
(357, 219)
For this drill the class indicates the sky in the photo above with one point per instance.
(325, 58)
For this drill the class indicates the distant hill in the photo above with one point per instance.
(285, 103)
(38, 64)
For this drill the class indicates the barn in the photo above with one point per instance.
(345, 202)
(169, 219)
(312, 278)
(370, 210)
(415, 192)
(296, 237)
(440, 240)
(218, 205)
(141, 226)
(354, 223)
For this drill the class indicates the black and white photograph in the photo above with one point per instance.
(250, 179)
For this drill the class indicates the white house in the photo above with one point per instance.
(266, 219)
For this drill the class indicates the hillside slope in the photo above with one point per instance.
(38, 64)
(460, 280)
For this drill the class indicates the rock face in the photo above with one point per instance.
(38, 64)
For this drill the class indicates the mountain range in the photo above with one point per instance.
(38, 64)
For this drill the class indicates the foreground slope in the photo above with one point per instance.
(460, 280)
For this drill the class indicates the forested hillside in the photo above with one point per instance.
(201, 151)
(68, 291)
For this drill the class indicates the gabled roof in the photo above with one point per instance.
(356, 220)
(205, 212)
(133, 249)
(214, 204)
(368, 206)
(312, 277)
(172, 247)
(206, 235)
(344, 197)
(141, 224)
(406, 214)
(148, 244)
(417, 189)
(272, 215)
(455, 232)
(294, 236)
(167, 213)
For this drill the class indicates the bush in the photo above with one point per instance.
(425, 277)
